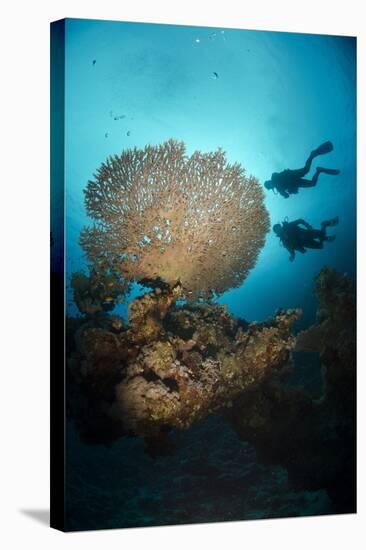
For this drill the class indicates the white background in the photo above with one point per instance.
(24, 299)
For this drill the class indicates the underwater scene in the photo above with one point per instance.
(210, 264)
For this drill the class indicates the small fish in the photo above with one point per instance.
(106, 135)
(215, 75)
(109, 299)
(128, 133)
(94, 62)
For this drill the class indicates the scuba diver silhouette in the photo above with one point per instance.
(293, 237)
(288, 182)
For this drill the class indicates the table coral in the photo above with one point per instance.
(160, 214)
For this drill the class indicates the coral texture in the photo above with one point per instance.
(177, 364)
(160, 214)
(313, 438)
(97, 291)
(174, 364)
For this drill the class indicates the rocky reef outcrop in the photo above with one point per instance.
(176, 363)
(314, 439)
(173, 364)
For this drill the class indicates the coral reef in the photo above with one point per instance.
(314, 439)
(98, 291)
(158, 213)
(176, 364)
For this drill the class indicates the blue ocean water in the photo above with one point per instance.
(267, 99)
(277, 97)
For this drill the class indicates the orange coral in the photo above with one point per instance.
(97, 291)
(162, 214)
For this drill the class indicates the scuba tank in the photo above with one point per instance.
(289, 234)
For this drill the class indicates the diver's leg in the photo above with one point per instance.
(329, 171)
(306, 183)
(314, 244)
(314, 179)
(324, 148)
(301, 172)
(315, 234)
(324, 225)
(296, 174)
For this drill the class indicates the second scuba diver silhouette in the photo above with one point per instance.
(296, 238)
(288, 182)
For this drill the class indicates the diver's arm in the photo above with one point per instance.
(291, 251)
(283, 193)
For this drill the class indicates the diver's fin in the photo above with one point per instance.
(333, 221)
(330, 239)
(324, 148)
(330, 223)
(330, 171)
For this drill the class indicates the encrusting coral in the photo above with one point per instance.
(176, 364)
(196, 220)
(98, 291)
(313, 438)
